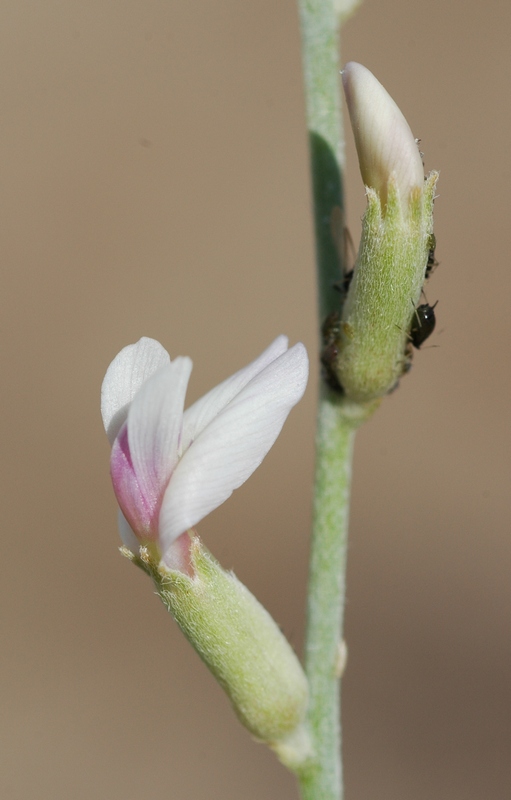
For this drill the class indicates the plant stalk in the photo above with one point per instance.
(321, 777)
(324, 653)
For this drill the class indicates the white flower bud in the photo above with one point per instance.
(370, 347)
(385, 143)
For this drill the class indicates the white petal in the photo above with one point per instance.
(154, 426)
(384, 141)
(233, 445)
(129, 539)
(124, 377)
(204, 410)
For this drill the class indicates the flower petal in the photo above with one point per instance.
(384, 141)
(140, 510)
(233, 445)
(128, 538)
(124, 377)
(154, 426)
(200, 414)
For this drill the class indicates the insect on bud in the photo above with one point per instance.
(375, 332)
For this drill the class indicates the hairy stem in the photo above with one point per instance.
(321, 777)
(335, 434)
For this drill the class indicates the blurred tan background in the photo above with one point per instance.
(155, 182)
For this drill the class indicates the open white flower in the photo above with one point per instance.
(171, 467)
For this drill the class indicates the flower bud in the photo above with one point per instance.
(240, 643)
(385, 143)
(372, 346)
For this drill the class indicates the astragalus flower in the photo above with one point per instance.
(171, 467)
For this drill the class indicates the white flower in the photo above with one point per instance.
(385, 143)
(171, 467)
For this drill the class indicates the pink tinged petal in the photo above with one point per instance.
(233, 445)
(124, 377)
(138, 510)
(153, 430)
(128, 538)
(178, 556)
(200, 414)
(385, 143)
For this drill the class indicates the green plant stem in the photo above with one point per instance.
(335, 434)
(321, 777)
(320, 35)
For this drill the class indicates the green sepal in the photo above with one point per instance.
(242, 646)
(373, 345)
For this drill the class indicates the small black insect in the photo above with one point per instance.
(343, 286)
(432, 262)
(330, 334)
(417, 142)
(423, 324)
(345, 248)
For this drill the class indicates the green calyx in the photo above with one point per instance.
(242, 646)
(373, 345)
